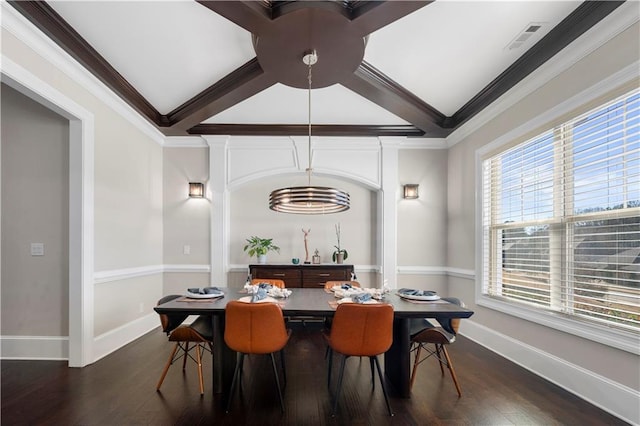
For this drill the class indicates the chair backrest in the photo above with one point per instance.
(170, 322)
(330, 284)
(272, 281)
(451, 324)
(362, 330)
(254, 328)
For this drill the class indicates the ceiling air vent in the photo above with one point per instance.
(524, 35)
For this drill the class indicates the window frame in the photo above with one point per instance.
(621, 339)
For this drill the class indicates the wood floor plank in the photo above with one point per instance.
(120, 390)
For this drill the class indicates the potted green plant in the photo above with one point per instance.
(259, 247)
(340, 254)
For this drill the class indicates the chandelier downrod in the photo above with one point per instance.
(309, 199)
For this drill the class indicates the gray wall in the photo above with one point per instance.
(35, 209)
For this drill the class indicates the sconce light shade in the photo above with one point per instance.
(410, 191)
(196, 189)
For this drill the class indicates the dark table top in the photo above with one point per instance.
(316, 302)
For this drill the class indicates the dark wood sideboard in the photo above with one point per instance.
(308, 276)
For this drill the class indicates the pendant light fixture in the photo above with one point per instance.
(309, 199)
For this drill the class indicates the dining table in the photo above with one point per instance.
(313, 302)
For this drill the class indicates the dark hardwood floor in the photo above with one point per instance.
(120, 390)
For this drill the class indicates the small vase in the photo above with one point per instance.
(339, 258)
(262, 259)
(315, 259)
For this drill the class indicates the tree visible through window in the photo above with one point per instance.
(561, 218)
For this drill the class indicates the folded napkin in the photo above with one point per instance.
(265, 286)
(345, 286)
(279, 292)
(260, 294)
(361, 298)
(205, 290)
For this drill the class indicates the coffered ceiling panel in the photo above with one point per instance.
(385, 68)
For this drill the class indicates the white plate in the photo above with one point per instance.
(203, 296)
(413, 297)
(350, 300)
(247, 299)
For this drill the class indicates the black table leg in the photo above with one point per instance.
(397, 360)
(224, 359)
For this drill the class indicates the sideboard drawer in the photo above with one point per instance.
(315, 277)
(292, 277)
(296, 276)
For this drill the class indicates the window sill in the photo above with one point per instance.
(619, 339)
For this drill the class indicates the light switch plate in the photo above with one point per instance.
(37, 249)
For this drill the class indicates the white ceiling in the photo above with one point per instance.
(444, 53)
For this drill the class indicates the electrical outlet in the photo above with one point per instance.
(186, 250)
(37, 249)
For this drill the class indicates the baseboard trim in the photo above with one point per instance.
(614, 398)
(114, 339)
(49, 348)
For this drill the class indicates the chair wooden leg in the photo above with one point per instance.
(199, 361)
(167, 365)
(384, 389)
(452, 371)
(416, 361)
(186, 354)
(236, 377)
(275, 375)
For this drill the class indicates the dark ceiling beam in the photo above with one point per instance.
(370, 16)
(55, 27)
(585, 16)
(253, 16)
(370, 83)
(234, 88)
(303, 130)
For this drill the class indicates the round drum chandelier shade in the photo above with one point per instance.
(309, 199)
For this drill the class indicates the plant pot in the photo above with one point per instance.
(262, 259)
(339, 258)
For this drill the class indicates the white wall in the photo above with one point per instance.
(35, 209)
(126, 184)
(186, 221)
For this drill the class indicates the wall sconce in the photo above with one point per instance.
(410, 191)
(196, 190)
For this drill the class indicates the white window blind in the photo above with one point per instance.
(561, 218)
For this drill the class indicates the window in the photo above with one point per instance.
(561, 220)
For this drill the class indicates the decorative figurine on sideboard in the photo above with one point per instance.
(306, 247)
(316, 258)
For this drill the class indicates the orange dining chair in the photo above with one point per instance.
(423, 334)
(255, 328)
(272, 281)
(330, 284)
(361, 330)
(199, 332)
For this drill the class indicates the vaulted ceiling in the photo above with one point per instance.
(385, 68)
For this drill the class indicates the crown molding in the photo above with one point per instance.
(14, 22)
(618, 21)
